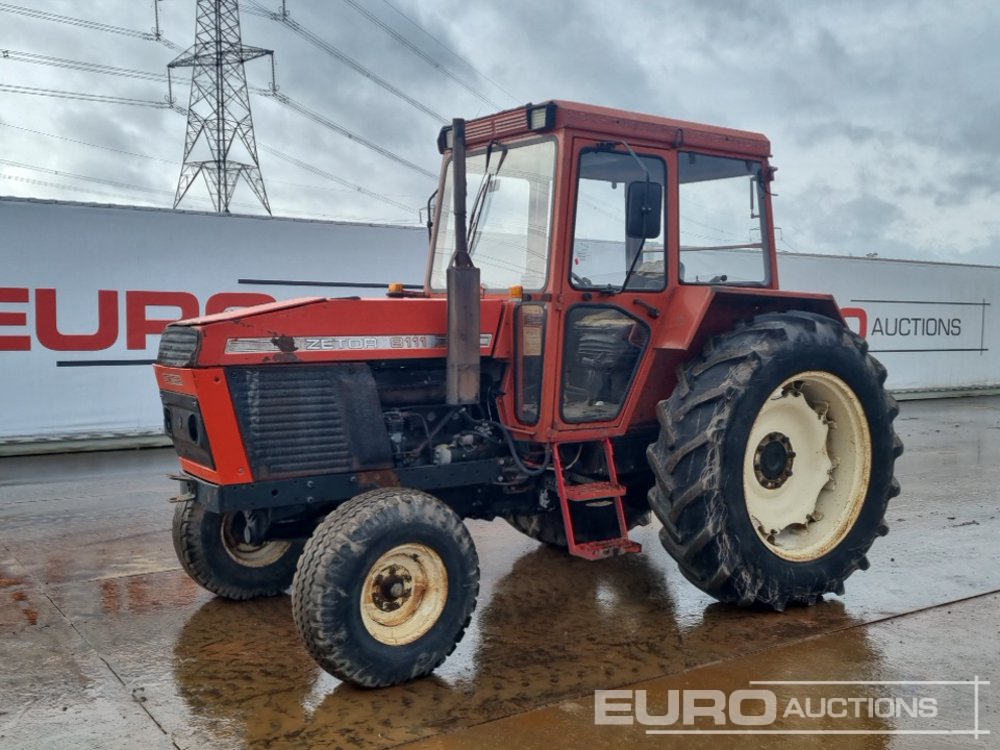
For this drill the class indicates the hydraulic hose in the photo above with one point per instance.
(524, 468)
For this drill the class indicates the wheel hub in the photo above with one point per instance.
(237, 530)
(814, 423)
(391, 588)
(404, 594)
(773, 460)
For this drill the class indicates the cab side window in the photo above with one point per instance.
(722, 223)
(603, 253)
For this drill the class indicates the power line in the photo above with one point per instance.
(317, 171)
(81, 95)
(86, 178)
(82, 65)
(85, 143)
(97, 25)
(147, 75)
(419, 52)
(316, 117)
(453, 53)
(327, 123)
(348, 186)
(301, 109)
(59, 186)
(85, 23)
(120, 196)
(323, 188)
(257, 9)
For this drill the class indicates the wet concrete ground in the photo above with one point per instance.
(105, 642)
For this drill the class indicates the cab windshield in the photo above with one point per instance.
(510, 222)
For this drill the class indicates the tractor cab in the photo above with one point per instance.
(601, 228)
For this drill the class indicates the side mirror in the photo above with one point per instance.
(644, 206)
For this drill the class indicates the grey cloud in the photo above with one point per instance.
(894, 104)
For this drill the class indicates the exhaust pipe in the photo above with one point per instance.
(463, 292)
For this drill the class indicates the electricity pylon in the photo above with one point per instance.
(219, 109)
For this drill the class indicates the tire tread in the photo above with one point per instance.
(686, 459)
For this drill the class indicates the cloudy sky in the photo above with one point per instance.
(884, 115)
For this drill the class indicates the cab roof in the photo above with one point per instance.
(613, 124)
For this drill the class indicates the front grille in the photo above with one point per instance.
(179, 346)
(304, 419)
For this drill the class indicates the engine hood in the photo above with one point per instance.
(322, 330)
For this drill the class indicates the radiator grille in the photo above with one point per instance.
(179, 346)
(309, 419)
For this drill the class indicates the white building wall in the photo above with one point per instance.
(60, 259)
(935, 326)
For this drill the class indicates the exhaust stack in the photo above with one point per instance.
(463, 292)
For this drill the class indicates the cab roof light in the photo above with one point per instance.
(446, 139)
(542, 117)
(538, 118)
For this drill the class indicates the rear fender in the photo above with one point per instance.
(698, 313)
(695, 314)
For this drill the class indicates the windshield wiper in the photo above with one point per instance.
(632, 265)
(479, 204)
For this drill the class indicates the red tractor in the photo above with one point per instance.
(600, 334)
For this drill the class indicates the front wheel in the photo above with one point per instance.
(775, 461)
(386, 587)
(212, 550)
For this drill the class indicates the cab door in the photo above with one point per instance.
(616, 281)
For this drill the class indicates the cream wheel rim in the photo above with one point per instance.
(404, 594)
(244, 553)
(806, 466)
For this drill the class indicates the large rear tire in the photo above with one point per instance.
(774, 464)
(386, 587)
(547, 527)
(211, 549)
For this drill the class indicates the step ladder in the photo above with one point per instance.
(589, 492)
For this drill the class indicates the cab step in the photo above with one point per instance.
(594, 491)
(606, 548)
(587, 492)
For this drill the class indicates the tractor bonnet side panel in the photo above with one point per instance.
(325, 330)
(313, 419)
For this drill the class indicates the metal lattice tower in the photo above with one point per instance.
(219, 110)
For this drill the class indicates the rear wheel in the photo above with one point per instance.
(212, 550)
(547, 527)
(775, 461)
(386, 587)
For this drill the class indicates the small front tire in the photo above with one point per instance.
(386, 587)
(211, 549)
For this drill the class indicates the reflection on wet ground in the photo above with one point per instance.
(104, 641)
(910, 648)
